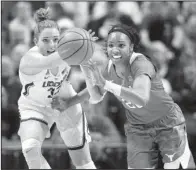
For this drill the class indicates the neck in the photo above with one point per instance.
(122, 70)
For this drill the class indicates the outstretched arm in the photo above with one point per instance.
(138, 94)
(35, 60)
(63, 101)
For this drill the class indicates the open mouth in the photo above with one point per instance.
(117, 56)
(50, 52)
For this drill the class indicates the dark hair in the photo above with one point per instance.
(129, 31)
(42, 19)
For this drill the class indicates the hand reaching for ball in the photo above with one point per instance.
(93, 38)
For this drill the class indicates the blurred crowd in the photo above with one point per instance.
(168, 35)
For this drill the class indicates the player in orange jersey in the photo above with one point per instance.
(155, 123)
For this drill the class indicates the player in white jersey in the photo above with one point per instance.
(43, 75)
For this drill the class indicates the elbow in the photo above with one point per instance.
(145, 101)
(142, 101)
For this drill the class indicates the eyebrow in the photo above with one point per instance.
(50, 37)
(117, 41)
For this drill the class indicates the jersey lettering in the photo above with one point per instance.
(51, 84)
(54, 87)
(27, 87)
(130, 105)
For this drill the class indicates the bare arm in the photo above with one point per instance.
(62, 103)
(139, 94)
(78, 98)
(34, 62)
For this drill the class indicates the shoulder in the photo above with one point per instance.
(13, 23)
(141, 64)
(29, 59)
(139, 60)
(32, 53)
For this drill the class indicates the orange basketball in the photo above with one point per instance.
(75, 46)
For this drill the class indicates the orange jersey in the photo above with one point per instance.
(159, 104)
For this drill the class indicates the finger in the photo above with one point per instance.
(95, 38)
(88, 66)
(91, 62)
(92, 33)
(89, 31)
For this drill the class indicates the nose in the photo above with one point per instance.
(52, 44)
(115, 50)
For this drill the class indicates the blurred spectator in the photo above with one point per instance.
(21, 27)
(17, 53)
(183, 71)
(182, 75)
(100, 9)
(79, 12)
(10, 81)
(65, 23)
(161, 56)
(63, 18)
(56, 10)
(102, 25)
(9, 117)
(101, 127)
(131, 9)
(160, 23)
(103, 131)
(76, 12)
(188, 9)
(5, 46)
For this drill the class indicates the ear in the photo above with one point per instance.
(35, 41)
(131, 47)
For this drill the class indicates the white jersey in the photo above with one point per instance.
(38, 90)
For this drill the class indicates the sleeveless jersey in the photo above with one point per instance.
(159, 104)
(38, 90)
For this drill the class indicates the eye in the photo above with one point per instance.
(45, 40)
(56, 39)
(121, 45)
(110, 45)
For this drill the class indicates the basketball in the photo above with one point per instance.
(75, 46)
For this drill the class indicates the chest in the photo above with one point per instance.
(127, 82)
(54, 71)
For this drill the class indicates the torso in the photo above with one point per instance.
(38, 89)
(160, 103)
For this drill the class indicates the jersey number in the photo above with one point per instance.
(52, 90)
(27, 87)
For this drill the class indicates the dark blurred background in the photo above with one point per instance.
(168, 34)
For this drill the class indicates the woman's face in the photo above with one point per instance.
(47, 41)
(119, 47)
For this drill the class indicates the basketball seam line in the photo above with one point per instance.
(72, 41)
(67, 32)
(75, 51)
(86, 50)
(70, 31)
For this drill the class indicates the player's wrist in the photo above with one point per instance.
(112, 87)
(103, 82)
